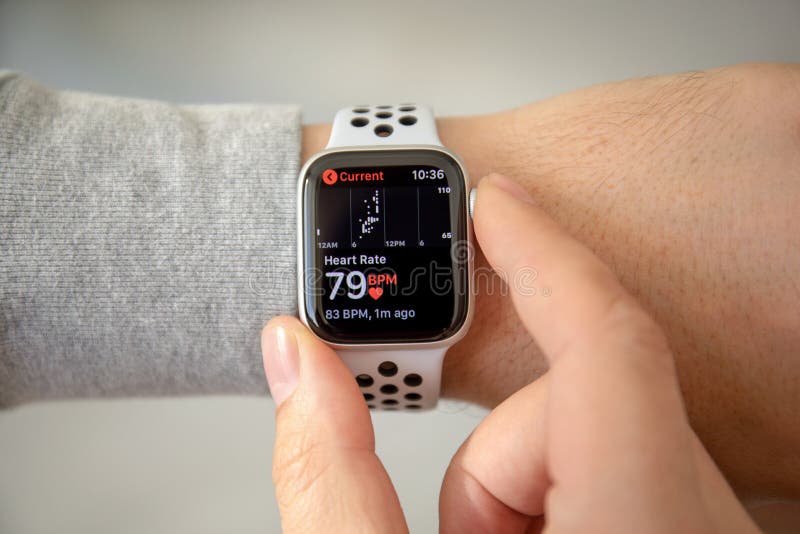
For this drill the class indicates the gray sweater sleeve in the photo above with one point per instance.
(142, 245)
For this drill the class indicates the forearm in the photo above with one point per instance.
(688, 187)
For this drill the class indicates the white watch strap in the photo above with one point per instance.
(391, 379)
(397, 379)
(402, 124)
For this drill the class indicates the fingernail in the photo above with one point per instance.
(511, 187)
(281, 362)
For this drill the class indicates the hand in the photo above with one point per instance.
(600, 444)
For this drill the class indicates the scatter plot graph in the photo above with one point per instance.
(366, 215)
(378, 217)
(370, 220)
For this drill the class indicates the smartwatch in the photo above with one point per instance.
(385, 260)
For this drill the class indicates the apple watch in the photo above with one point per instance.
(385, 260)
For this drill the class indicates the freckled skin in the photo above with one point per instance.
(688, 186)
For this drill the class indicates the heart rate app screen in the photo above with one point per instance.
(383, 246)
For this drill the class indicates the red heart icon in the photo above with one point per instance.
(375, 292)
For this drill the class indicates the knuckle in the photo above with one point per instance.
(631, 329)
(625, 318)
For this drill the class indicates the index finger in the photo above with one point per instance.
(613, 386)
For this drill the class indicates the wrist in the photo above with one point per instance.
(498, 356)
(315, 138)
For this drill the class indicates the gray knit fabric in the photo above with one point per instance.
(142, 245)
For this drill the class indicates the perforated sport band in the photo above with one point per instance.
(403, 124)
(406, 379)
(397, 379)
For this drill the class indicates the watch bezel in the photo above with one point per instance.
(301, 257)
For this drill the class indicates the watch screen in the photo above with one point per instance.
(385, 246)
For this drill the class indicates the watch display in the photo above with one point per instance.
(385, 246)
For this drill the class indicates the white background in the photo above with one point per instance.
(203, 465)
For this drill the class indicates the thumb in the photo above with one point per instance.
(326, 474)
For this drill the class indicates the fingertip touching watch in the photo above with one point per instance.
(385, 259)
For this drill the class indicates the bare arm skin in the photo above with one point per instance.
(688, 186)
